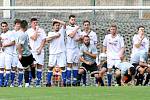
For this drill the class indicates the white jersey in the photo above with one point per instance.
(71, 42)
(92, 35)
(57, 45)
(8, 38)
(124, 66)
(144, 45)
(113, 46)
(15, 34)
(36, 44)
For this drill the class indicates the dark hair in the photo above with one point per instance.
(140, 27)
(72, 16)
(33, 19)
(86, 21)
(132, 70)
(86, 36)
(4, 23)
(17, 21)
(23, 24)
(55, 23)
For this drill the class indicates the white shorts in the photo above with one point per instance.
(57, 59)
(1, 59)
(19, 65)
(15, 60)
(73, 55)
(112, 62)
(6, 60)
(39, 59)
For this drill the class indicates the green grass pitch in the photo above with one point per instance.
(76, 93)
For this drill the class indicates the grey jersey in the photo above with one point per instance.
(92, 49)
(24, 40)
(124, 66)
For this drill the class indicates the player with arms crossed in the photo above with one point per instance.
(73, 37)
(37, 39)
(8, 43)
(57, 50)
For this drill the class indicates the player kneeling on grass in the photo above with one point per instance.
(88, 54)
(143, 67)
(124, 72)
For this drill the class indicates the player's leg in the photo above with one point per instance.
(8, 63)
(81, 71)
(13, 69)
(26, 63)
(110, 64)
(118, 77)
(101, 75)
(1, 68)
(140, 75)
(39, 69)
(61, 62)
(76, 66)
(20, 74)
(69, 66)
(147, 77)
(51, 64)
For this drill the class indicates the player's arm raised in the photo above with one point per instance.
(59, 21)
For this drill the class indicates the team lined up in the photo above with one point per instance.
(23, 49)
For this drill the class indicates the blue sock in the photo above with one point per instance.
(20, 78)
(30, 77)
(49, 76)
(64, 77)
(12, 77)
(68, 75)
(84, 78)
(39, 76)
(1, 78)
(7, 78)
(109, 77)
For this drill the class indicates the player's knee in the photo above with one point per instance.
(81, 71)
(69, 65)
(13, 69)
(109, 70)
(117, 73)
(63, 69)
(20, 69)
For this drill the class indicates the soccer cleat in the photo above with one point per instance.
(27, 85)
(37, 86)
(12, 85)
(20, 86)
(48, 85)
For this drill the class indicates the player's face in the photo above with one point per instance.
(56, 27)
(113, 30)
(17, 26)
(34, 24)
(86, 26)
(72, 20)
(86, 41)
(4, 28)
(141, 30)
